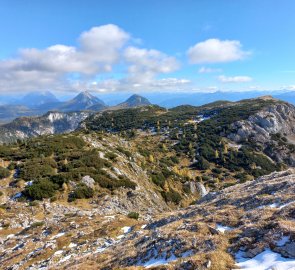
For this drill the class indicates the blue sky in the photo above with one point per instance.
(140, 46)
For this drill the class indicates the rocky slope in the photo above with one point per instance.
(223, 230)
(50, 123)
(272, 126)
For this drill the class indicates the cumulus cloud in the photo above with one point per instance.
(63, 67)
(209, 70)
(97, 51)
(146, 64)
(234, 79)
(216, 51)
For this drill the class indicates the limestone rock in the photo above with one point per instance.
(88, 181)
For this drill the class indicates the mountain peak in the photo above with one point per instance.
(82, 101)
(135, 101)
(85, 94)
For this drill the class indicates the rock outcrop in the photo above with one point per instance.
(50, 123)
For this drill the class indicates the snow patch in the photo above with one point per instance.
(162, 260)
(159, 261)
(17, 195)
(221, 228)
(285, 205)
(72, 245)
(57, 253)
(57, 236)
(267, 260)
(126, 229)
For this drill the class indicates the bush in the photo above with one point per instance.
(111, 156)
(133, 215)
(33, 203)
(202, 164)
(37, 224)
(81, 192)
(159, 179)
(12, 166)
(4, 173)
(34, 169)
(59, 179)
(171, 196)
(125, 152)
(111, 184)
(40, 189)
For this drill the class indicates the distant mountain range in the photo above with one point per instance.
(34, 104)
(39, 103)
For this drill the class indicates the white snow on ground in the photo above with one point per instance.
(66, 258)
(143, 226)
(110, 217)
(29, 183)
(57, 236)
(17, 195)
(159, 261)
(267, 260)
(162, 260)
(107, 243)
(58, 252)
(286, 204)
(72, 245)
(283, 241)
(273, 205)
(126, 229)
(221, 228)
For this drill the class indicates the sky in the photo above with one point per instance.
(146, 46)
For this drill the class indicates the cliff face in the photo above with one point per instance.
(50, 123)
(277, 118)
(272, 128)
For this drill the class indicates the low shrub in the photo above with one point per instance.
(133, 215)
(81, 192)
(40, 189)
(4, 173)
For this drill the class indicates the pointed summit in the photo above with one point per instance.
(135, 101)
(82, 101)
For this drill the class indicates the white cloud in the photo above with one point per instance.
(33, 69)
(112, 85)
(146, 64)
(65, 68)
(216, 51)
(288, 87)
(235, 79)
(103, 43)
(209, 70)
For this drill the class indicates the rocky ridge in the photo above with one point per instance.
(50, 123)
(272, 125)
